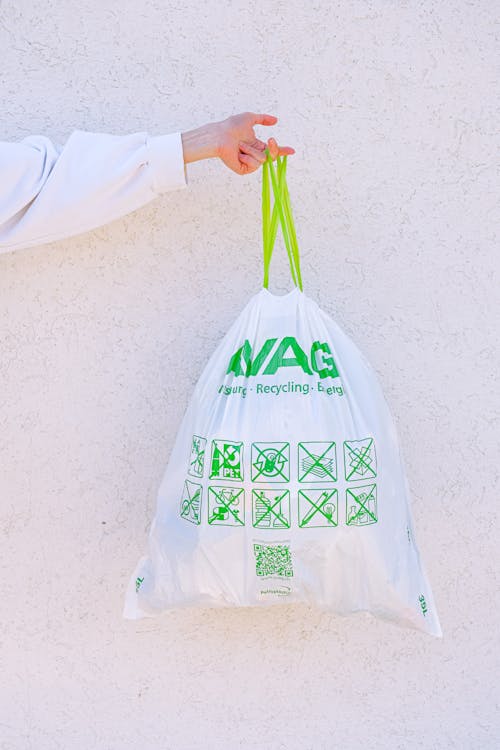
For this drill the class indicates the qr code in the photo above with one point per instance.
(273, 559)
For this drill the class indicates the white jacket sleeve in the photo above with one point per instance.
(49, 191)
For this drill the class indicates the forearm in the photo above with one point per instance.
(200, 143)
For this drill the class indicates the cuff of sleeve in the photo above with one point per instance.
(165, 157)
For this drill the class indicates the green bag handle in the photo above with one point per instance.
(281, 209)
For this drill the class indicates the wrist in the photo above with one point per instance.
(200, 143)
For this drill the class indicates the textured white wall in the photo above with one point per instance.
(391, 108)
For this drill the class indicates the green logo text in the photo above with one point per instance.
(285, 353)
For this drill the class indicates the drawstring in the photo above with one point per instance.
(282, 210)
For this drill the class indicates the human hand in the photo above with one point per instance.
(233, 140)
(238, 146)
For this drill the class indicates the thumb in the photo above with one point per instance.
(264, 119)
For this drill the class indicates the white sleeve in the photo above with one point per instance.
(48, 191)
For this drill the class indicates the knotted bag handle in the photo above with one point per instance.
(281, 209)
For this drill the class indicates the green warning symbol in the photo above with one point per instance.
(360, 461)
(361, 505)
(318, 508)
(227, 460)
(191, 502)
(270, 462)
(226, 506)
(271, 509)
(197, 457)
(317, 462)
(273, 559)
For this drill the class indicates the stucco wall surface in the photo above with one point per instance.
(392, 108)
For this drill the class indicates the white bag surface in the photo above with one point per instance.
(285, 483)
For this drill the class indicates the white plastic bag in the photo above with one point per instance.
(285, 483)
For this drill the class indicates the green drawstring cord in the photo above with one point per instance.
(269, 225)
(291, 225)
(265, 221)
(282, 210)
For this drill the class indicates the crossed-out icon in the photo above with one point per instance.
(270, 462)
(197, 456)
(360, 460)
(361, 505)
(317, 507)
(271, 509)
(226, 506)
(191, 502)
(317, 462)
(227, 460)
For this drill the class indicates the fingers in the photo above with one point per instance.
(276, 150)
(253, 156)
(260, 119)
(248, 163)
(273, 148)
(257, 153)
(252, 153)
